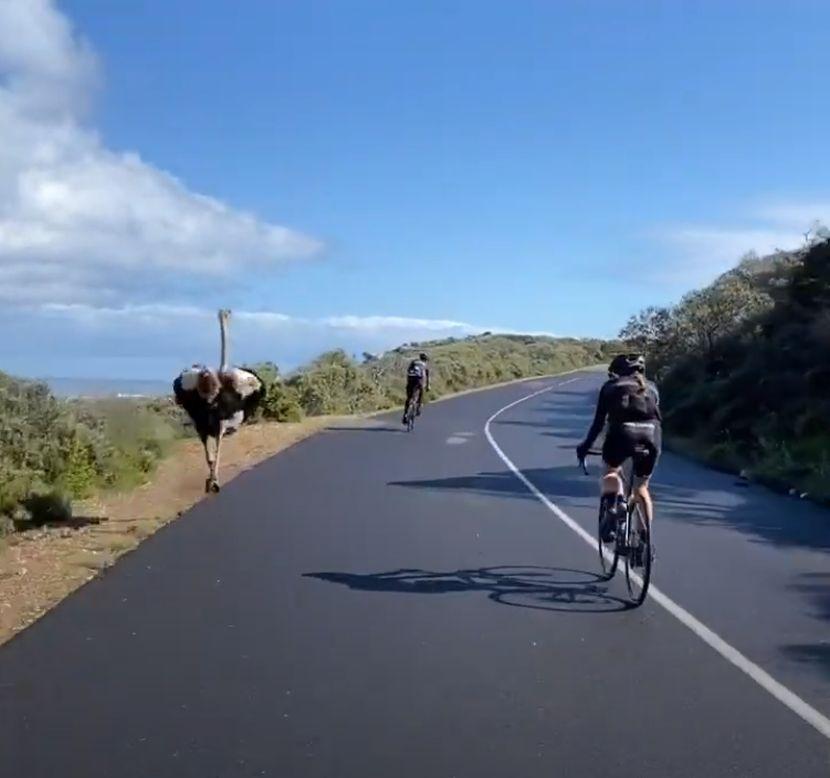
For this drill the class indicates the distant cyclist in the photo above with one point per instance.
(632, 406)
(417, 380)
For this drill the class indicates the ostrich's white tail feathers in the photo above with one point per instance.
(232, 424)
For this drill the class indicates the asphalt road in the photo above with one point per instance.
(379, 604)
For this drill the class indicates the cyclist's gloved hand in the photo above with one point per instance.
(581, 451)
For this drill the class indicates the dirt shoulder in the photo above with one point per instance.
(39, 567)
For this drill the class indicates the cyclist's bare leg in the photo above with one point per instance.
(643, 496)
(612, 481)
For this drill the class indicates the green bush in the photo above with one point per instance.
(281, 402)
(51, 448)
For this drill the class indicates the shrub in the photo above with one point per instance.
(743, 365)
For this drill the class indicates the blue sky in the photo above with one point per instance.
(384, 171)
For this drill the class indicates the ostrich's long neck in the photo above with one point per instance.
(223, 329)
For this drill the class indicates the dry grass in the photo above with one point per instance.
(38, 568)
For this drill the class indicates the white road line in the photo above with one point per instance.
(781, 693)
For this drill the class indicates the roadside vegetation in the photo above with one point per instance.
(336, 383)
(54, 451)
(744, 368)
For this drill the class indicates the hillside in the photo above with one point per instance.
(52, 450)
(744, 366)
(335, 383)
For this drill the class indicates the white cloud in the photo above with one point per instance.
(699, 253)
(381, 323)
(797, 216)
(159, 340)
(81, 223)
(47, 70)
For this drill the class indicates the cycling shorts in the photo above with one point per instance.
(640, 441)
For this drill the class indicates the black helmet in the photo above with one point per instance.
(423, 357)
(626, 364)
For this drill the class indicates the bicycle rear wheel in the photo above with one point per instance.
(410, 413)
(609, 553)
(639, 557)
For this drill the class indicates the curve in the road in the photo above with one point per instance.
(372, 603)
(707, 635)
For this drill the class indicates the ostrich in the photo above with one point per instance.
(218, 401)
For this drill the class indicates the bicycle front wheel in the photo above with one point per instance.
(639, 556)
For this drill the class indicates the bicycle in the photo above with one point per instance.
(412, 410)
(631, 539)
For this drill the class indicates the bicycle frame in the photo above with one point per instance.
(625, 545)
(626, 476)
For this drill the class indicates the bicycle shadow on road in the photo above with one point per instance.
(523, 586)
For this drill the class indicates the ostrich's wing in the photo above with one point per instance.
(194, 405)
(179, 390)
(232, 424)
(250, 388)
(188, 379)
(244, 382)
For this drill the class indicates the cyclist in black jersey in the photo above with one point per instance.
(417, 380)
(631, 404)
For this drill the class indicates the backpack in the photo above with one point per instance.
(415, 369)
(627, 403)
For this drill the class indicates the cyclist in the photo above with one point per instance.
(632, 406)
(417, 380)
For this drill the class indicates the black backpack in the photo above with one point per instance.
(627, 401)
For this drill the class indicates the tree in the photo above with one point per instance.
(707, 315)
(816, 233)
(648, 330)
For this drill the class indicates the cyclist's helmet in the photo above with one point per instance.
(626, 364)
(423, 357)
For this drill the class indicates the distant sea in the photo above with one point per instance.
(108, 387)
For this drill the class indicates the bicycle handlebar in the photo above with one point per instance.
(582, 462)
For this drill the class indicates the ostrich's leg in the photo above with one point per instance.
(211, 463)
(216, 459)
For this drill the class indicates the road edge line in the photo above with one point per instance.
(787, 697)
